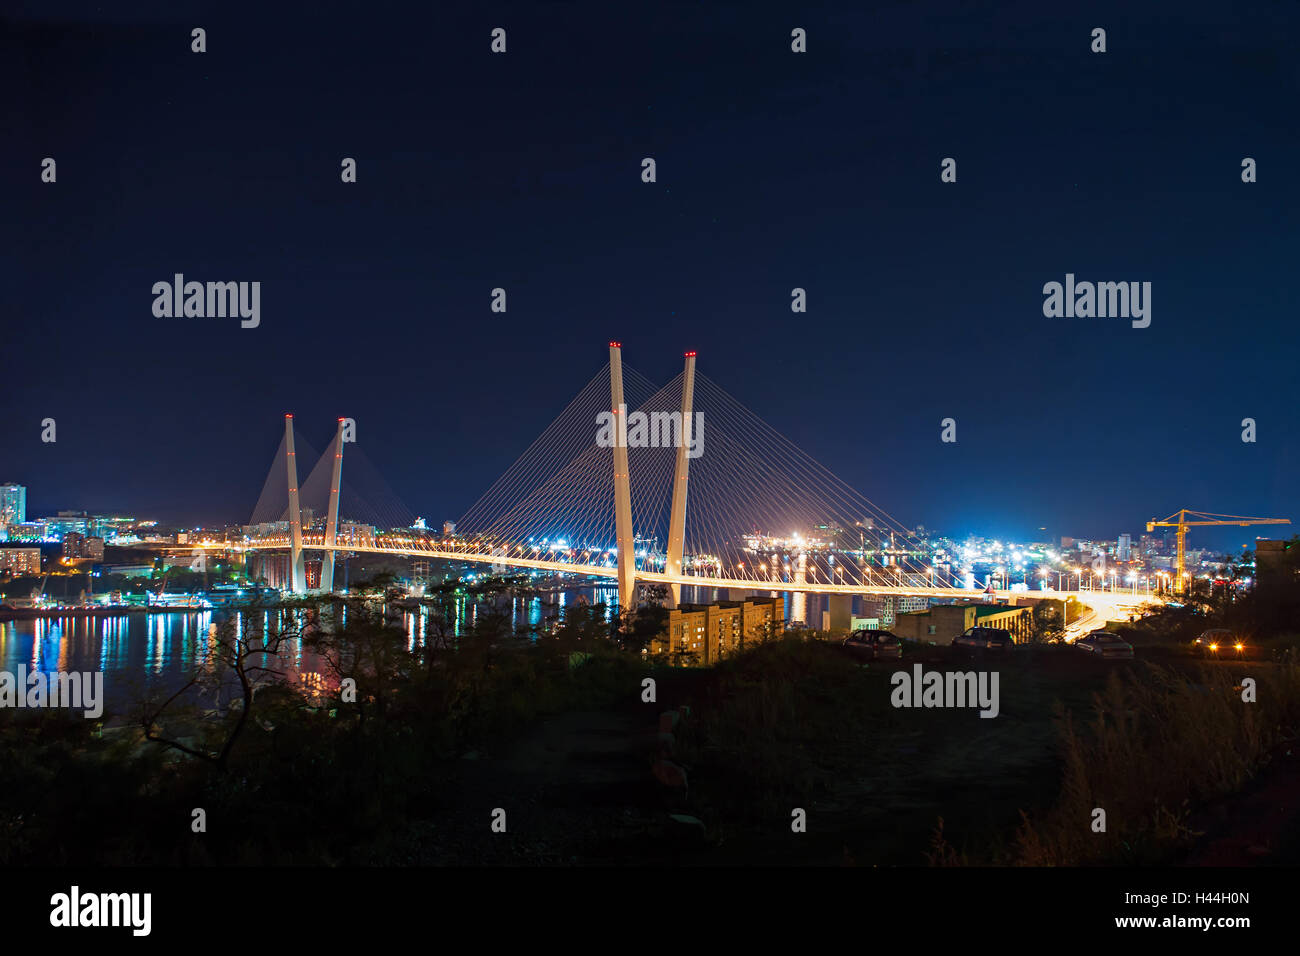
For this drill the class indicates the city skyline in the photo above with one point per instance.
(1123, 547)
(1219, 540)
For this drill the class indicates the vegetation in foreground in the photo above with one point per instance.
(552, 725)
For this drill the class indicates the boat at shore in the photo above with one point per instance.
(191, 602)
(9, 612)
(230, 597)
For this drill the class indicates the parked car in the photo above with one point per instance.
(873, 645)
(1218, 640)
(1105, 645)
(984, 639)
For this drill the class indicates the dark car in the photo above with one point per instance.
(984, 639)
(1218, 641)
(1105, 645)
(873, 645)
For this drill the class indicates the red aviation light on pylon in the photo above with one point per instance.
(690, 355)
(616, 345)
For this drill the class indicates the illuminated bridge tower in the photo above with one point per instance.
(622, 485)
(297, 566)
(332, 517)
(677, 523)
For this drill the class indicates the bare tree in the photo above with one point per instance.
(251, 655)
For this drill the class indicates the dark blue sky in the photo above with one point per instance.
(775, 170)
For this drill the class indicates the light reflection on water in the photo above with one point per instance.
(141, 653)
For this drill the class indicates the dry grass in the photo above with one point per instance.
(1158, 743)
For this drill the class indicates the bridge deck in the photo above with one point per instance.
(654, 577)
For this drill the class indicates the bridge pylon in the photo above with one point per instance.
(297, 564)
(622, 485)
(332, 516)
(677, 521)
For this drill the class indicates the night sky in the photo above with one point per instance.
(775, 170)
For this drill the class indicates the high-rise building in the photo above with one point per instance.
(1125, 542)
(74, 545)
(13, 503)
(28, 531)
(20, 561)
(69, 522)
(709, 632)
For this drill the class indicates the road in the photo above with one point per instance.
(1103, 606)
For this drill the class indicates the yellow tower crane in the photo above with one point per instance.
(1179, 520)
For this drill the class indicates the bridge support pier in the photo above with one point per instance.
(622, 485)
(840, 613)
(332, 517)
(677, 521)
(297, 565)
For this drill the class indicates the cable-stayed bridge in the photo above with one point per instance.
(677, 485)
